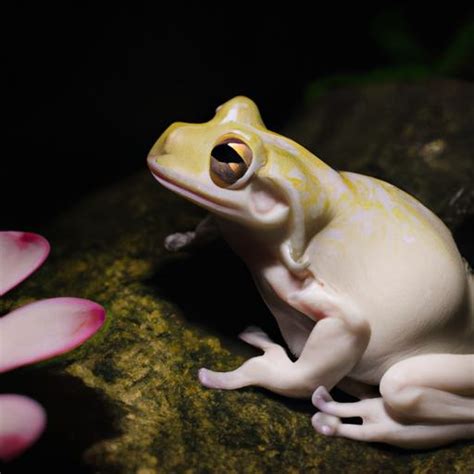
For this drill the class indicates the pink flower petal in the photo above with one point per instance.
(46, 328)
(21, 253)
(22, 420)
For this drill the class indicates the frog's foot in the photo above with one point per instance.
(205, 232)
(379, 425)
(251, 371)
(273, 370)
(179, 241)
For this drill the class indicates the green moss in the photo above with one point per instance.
(106, 370)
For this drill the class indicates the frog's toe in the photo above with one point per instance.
(325, 424)
(209, 378)
(323, 401)
(329, 425)
(256, 337)
(221, 380)
(320, 397)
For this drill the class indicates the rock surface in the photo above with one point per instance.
(128, 401)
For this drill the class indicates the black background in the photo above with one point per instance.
(90, 87)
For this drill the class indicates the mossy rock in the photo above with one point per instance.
(128, 401)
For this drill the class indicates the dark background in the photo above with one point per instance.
(89, 88)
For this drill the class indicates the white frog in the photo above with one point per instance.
(367, 285)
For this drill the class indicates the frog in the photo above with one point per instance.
(367, 286)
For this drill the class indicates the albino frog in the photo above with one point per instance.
(366, 284)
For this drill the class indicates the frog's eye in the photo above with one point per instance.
(229, 162)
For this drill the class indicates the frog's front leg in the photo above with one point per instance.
(317, 363)
(205, 232)
(272, 370)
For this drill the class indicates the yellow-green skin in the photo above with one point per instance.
(329, 247)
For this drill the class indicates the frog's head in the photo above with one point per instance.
(236, 168)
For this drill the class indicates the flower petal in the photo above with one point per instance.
(46, 328)
(21, 253)
(22, 420)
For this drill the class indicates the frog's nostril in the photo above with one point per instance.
(155, 152)
(151, 158)
(229, 162)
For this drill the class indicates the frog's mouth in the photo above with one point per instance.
(201, 198)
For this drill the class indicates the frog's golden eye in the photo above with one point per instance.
(229, 162)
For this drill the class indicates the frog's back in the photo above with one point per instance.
(395, 203)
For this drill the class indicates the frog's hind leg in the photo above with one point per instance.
(426, 401)
(433, 388)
